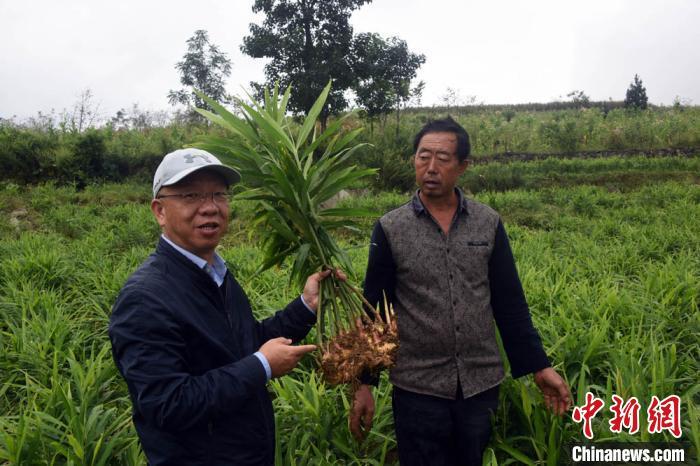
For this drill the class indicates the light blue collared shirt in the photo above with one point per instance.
(217, 272)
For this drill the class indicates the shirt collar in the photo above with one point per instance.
(219, 264)
(419, 208)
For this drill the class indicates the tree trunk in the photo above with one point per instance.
(398, 120)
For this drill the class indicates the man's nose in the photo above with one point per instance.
(208, 204)
(432, 165)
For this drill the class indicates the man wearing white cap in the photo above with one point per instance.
(183, 335)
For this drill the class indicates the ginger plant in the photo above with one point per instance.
(289, 171)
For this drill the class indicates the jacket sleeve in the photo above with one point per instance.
(293, 322)
(149, 349)
(380, 281)
(510, 310)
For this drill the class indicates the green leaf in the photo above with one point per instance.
(331, 131)
(300, 266)
(271, 127)
(516, 454)
(77, 448)
(348, 212)
(285, 101)
(235, 124)
(312, 116)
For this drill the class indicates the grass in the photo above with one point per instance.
(611, 272)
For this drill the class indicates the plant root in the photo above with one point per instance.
(368, 347)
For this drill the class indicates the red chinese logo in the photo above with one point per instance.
(587, 412)
(662, 415)
(665, 415)
(625, 415)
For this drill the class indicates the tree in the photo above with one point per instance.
(84, 115)
(404, 66)
(120, 121)
(636, 95)
(372, 86)
(308, 42)
(416, 98)
(451, 98)
(139, 119)
(579, 98)
(376, 97)
(204, 67)
(383, 71)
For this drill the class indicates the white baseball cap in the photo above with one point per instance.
(180, 163)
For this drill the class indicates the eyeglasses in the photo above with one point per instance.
(219, 197)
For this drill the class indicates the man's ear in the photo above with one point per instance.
(158, 210)
(463, 165)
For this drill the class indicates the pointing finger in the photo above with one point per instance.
(303, 349)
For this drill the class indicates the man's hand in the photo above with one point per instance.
(557, 396)
(362, 413)
(311, 287)
(282, 356)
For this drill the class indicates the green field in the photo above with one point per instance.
(40, 150)
(608, 251)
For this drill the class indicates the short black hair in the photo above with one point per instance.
(446, 125)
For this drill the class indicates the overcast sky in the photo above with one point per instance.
(500, 51)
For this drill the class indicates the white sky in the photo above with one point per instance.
(501, 51)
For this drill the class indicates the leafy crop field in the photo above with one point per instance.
(40, 150)
(608, 252)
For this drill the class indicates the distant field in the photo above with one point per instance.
(607, 249)
(41, 150)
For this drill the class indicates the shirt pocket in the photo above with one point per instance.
(473, 259)
(478, 243)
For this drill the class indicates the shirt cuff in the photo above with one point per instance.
(306, 305)
(266, 365)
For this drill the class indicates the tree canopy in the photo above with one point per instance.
(383, 71)
(309, 43)
(636, 95)
(204, 67)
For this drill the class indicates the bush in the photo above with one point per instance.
(85, 160)
(26, 156)
(560, 134)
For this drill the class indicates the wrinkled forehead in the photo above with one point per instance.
(438, 139)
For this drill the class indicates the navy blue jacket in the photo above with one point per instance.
(185, 348)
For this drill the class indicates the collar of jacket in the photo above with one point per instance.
(202, 277)
(419, 208)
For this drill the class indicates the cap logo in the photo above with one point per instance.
(189, 158)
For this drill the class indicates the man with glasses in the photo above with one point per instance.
(183, 335)
(445, 264)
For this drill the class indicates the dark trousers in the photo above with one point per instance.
(432, 431)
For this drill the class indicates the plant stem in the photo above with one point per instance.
(319, 317)
(347, 306)
(336, 313)
(362, 298)
(353, 305)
